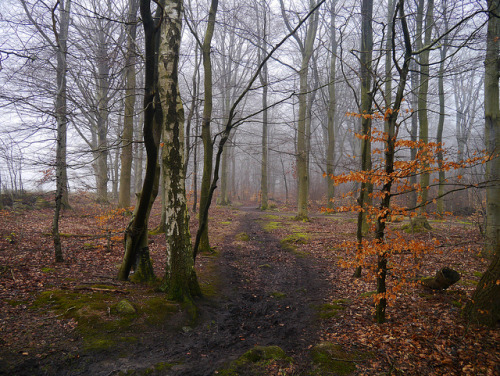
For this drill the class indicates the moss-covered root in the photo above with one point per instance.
(255, 361)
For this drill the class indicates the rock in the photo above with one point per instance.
(124, 307)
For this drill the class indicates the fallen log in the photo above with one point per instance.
(443, 279)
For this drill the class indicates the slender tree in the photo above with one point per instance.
(306, 48)
(332, 107)
(365, 59)
(136, 235)
(423, 132)
(128, 120)
(206, 133)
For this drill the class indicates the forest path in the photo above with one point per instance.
(267, 296)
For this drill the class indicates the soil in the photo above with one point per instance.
(266, 296)
(272, 281)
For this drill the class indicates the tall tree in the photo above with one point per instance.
(62, 120)
(332, 106)
(390, 152)
(180, 278)
(264, 81)
(206, 134)
(128, 120)
(442, 109)
(423, 131)
(60, 48)
(484, 306)
(306, 48)
(365, 59)
(136, 235)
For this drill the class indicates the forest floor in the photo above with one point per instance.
(276, 301)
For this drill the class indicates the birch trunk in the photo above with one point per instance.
(180, 279)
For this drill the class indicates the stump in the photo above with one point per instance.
(443, 279)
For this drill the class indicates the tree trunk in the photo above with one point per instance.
(365, 58)
(422, 102)
(61, 199)
(136, 244)
(306, 49)
(208, 148)
(390, 151)
(442, 114)
(262, 52)
(484, 308)
(492, 129)
(332, 107)
(180, 279)
(128, 121)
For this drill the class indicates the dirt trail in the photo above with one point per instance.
(268, 297)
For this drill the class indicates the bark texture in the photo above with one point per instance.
(180, 279)
(208, 147)
(128, 120)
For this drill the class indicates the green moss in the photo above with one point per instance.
(271, 217)
(243, 236)
(15, 303)
(329, 310)
(99, 344)
(270, 226)
(254, 361)
(368, 294)
(332, 359)
(158, 309)
(226, 223)
(100, 324)
(163, 366)
(47, 270)
(267, 266)
(478, 274)
(291, 241)
(416, 225)
(278, 295)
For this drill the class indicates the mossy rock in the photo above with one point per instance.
(254, 362)
(332, 359)
(124, 307)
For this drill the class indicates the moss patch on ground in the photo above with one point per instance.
(332, 359)
(243, 236)
(329, 310)
(104, 318)
(292, 241)
(255, 361)
(270, 226)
